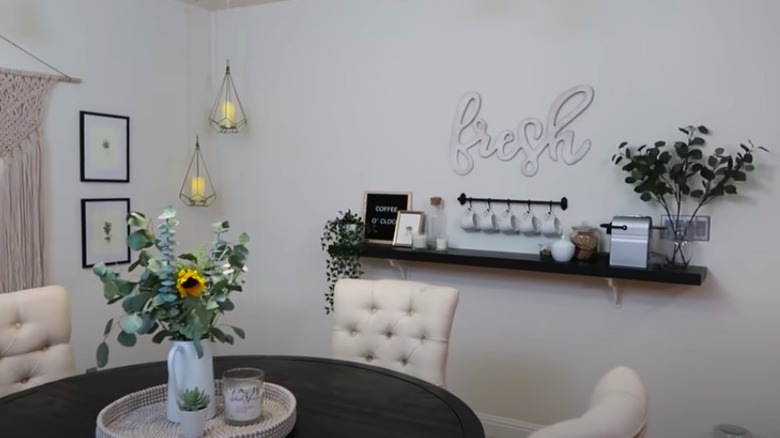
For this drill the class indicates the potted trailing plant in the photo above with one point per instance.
(342, 240)
(670, 173)
(192, 412)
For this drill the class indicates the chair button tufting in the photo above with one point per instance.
(373, 310)
(369, 358)
(389, 335)
(352, 333)
(411, 312)
(25, 380)
(404, 362)
(422, 339)
(45, 347)
(18, 325)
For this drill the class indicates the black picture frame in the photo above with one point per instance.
(98, 133)
(380, 209)
(113, 239)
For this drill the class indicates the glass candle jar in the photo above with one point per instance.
(243, 392)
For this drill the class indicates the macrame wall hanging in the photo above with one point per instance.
(23, 98)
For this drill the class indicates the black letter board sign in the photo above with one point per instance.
(379, 212)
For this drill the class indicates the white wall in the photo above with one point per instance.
(134, 59)
(351, 95)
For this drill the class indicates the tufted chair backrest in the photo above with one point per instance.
(401, 325)
(617, 409)
(34, 336)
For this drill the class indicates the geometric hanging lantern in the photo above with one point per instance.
(197, 190)
(227, 115)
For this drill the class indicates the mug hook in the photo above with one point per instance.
(488, 201)
(471, 207)
(551, 203)
(529, 205)
(508, 207)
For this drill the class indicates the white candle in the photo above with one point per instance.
(419, 241)
(198, 189)
(441, 244)
(243, 403)
(228, 114)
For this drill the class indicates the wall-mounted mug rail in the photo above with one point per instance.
(563, 203)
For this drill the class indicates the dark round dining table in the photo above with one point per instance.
(334, 399)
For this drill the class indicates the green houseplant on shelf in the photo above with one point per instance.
(192, 412)
(672, 173)
(177, 296)
(342, 240)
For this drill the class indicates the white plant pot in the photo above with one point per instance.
(193, 423)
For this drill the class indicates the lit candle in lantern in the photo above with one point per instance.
(228, 114)
(198, 189)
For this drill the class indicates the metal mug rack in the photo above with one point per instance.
(563, 203)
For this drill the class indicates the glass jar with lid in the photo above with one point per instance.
(586, 241)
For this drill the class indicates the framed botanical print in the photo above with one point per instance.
(105, 147)
(104, 231)
(407, 224)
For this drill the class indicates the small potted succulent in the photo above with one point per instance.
(192, 412)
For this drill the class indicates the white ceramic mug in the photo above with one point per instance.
(529, 224)
(551, 226)
(488, 222)
(509, 224)
(469, 220)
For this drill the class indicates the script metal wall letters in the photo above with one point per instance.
(531, 136)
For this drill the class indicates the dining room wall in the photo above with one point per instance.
(345, 96)
(134, 58)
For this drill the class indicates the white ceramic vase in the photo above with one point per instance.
(187, 371)
(192, 423)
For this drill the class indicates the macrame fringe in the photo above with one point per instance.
(22, 100)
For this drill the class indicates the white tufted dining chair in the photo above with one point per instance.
(618, 409)
(400, 325)
(34, 338)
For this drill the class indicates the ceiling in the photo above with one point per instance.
(215, 5)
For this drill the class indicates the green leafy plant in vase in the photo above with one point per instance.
(177, 296)
(671, 173)
(342, 239)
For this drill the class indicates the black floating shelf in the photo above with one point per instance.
(692, 275)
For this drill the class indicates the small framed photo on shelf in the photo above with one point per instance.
(104, 231)
(407, 223)
(379, 213)
(105, 147)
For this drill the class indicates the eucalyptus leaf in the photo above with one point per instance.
(101, 355)
(137, 219)
(168, 213)
(131, 323)
(126, 339)
(243, 239)
(239, 331)
(109, 325)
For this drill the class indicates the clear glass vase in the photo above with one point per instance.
(680, 251)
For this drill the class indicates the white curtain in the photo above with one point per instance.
(23, 98)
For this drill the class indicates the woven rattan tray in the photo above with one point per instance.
(142, 414)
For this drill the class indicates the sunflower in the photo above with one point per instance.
(188, 282)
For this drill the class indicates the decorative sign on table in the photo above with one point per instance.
(531, 137)
(379, 212)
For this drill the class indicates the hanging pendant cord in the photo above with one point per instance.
(63, 76)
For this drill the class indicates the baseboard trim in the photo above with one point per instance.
(502, 427)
